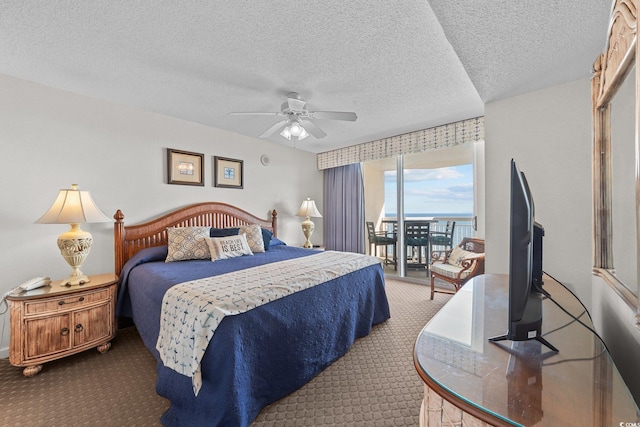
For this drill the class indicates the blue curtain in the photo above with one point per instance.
(344, 209)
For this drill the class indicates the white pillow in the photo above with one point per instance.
(185, 243)
(228, 247)
(458, 255)
(254, 237)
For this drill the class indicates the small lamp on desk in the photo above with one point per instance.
(74, 207)
(308, 209)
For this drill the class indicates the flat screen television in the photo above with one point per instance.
(525, 266)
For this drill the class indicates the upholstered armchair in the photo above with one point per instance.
(458, 265)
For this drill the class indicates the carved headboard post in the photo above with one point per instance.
(274, 222)
(118, 239)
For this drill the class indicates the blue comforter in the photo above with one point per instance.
(260, 356)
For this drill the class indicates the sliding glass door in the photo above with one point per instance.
(419, 194)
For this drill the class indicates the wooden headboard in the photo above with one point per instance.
(130, 239)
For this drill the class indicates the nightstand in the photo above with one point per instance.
(56, 321)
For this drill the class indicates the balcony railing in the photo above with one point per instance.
(464, 226)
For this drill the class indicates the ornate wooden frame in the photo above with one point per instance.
(610, 70)
(128, 240)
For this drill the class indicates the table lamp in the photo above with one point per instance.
(308, 209)
(74, 207)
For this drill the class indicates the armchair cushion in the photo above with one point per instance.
(450, 271)
(458, 255)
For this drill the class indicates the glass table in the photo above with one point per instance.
(471, 381)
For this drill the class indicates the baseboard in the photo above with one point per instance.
(4, 353)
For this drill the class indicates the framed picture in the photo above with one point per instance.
(228, 173)
(184, 167)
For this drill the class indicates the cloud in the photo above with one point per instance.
(462, 188)
(454, 193)
(417, 175)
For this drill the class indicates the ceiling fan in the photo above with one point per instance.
(297, 123)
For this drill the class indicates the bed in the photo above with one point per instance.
(258, 356)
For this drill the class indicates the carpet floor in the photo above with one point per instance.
(374, 384)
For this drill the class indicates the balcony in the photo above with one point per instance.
(464, 228)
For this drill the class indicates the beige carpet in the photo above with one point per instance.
(374, 384)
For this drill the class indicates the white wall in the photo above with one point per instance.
(549, 133)
(50, 139)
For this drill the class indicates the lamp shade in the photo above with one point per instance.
(308, 208)
(73, 206)
(295, 128)
(286, 132)
(303, 134)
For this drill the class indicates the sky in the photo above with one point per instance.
(432, 191)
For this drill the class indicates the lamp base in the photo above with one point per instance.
(74, 247)
(75, 280)
(307, 229)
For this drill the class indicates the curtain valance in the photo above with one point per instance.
(448, 135)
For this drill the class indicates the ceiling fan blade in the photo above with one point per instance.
(267, 133)
(313, 129)
(333, 115)
(256, 113)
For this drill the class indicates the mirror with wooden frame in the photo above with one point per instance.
(616, 163)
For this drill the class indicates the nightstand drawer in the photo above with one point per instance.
(65, 302)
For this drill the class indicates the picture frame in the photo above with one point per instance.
(185, 167)
(228, 173)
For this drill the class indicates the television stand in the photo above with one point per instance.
(529, 327)
(537, 338)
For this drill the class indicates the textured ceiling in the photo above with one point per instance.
(400, 65)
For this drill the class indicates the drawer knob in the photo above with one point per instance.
(79, 327)
(64, 332)
(60, 302)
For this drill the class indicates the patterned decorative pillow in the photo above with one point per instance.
(254, 236)
(228, 247)
(458, 255)
(185, 243)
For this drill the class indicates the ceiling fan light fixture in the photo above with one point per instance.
(286, 132)
(295, 128)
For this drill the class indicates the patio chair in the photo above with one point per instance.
(416, 237)
(443, 238)
(382, 238)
